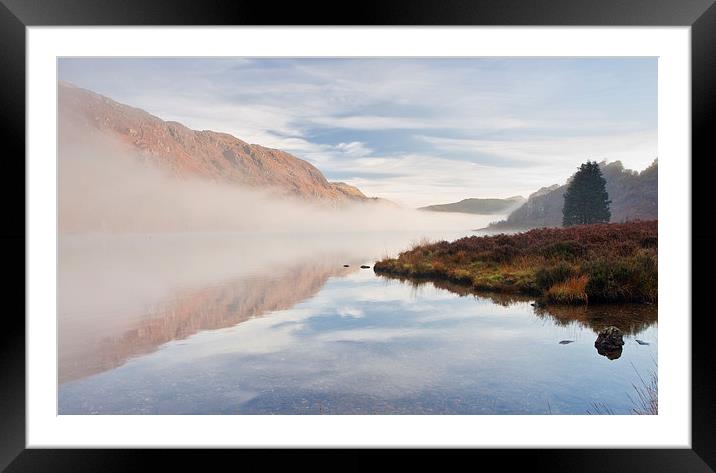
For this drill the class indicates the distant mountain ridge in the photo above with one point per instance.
(184, 152)
(479, 206)
(633, 195)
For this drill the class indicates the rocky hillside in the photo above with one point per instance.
(479, 206)
(190, 153)
(634, 196)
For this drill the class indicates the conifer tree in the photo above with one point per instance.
(586, 199)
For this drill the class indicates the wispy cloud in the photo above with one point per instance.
(635, 147)
(413, 130)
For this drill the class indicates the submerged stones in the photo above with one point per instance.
(609, 342)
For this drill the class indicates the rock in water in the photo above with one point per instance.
(610, 336)
(641, 342)
(609, 342)
(346, 265)
(566, 342)
(610, 352)
(363, 266)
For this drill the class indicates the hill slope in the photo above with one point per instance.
(634, 196)
(189, 153)
(479, 206)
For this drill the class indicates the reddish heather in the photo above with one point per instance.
(602, 262)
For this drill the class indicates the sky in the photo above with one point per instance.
(417, 131)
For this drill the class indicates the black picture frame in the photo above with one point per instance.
(16, 15)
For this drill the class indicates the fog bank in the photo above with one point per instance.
(104, 187)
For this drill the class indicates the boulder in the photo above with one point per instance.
(609, 342)
(610, 352)
(610, 336)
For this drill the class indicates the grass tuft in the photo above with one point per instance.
(571, 291)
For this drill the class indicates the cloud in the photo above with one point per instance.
(383, 122)
(354, 149)
(406, 128)
(636, 149)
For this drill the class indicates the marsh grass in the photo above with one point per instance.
(571, 291)
(645, 399)
(614, 262)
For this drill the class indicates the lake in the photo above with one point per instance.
(275, 324)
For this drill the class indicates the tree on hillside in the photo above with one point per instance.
(586, 199)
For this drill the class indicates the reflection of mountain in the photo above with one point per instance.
(110, 287)
(214, 307)
(629, 318)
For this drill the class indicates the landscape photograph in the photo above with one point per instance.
(357, 235)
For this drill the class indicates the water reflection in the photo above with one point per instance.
(124, 296)
(629, 318)
(611, 352)
(295, 332)
(192, 311)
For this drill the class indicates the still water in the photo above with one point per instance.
(275, 324)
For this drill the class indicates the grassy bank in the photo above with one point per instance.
(588, 263)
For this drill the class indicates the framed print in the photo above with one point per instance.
(423, 227)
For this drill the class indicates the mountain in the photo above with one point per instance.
(183, 152)
(633, 195)
(479, 206)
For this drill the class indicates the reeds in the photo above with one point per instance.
(645, 400)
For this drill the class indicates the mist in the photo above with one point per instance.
(138, 245)
(105, 187)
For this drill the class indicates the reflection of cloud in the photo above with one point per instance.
(353, 312)
(376, 334)
(123, 296)
(190, 312)
(408, 351)
(269, 334)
